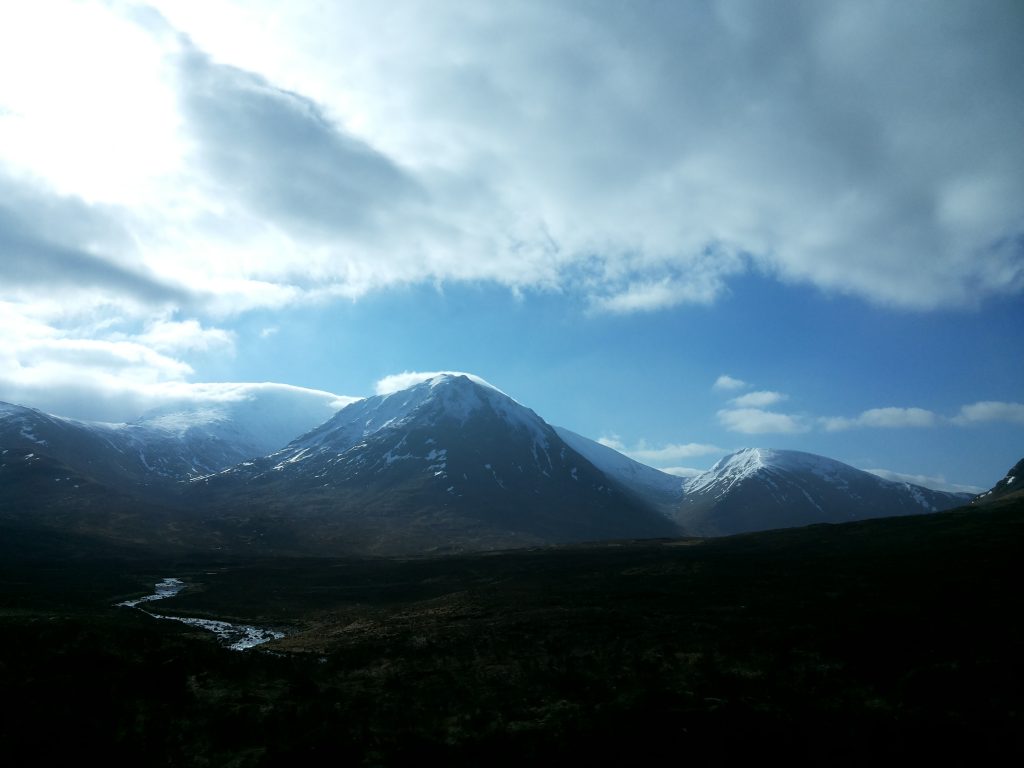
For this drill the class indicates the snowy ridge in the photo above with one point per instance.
(445, 396)
(660, 489)
(730, 470)
(758, 489)
(737, 467)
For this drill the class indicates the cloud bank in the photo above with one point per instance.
(639, 158)
(189, 161)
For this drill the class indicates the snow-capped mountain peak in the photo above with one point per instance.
(444, 397)
(448, 449)
(747, 462)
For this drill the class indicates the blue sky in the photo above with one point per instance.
(601, 208)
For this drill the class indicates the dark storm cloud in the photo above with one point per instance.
(278, 152)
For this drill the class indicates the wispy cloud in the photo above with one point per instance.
(756, 421)
(760, 399)
(883, 418)
(990, 410)
(935, 482)
(112, 375)
(187, 336)
(986, 411)
(682, 471)
(658, 456)
(727, 383)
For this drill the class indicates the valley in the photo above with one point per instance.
(437, 573)
(821, 643)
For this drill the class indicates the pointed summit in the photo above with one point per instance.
(447, 463)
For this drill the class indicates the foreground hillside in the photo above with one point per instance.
(826, 644)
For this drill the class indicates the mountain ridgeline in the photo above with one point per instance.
(449, 464)
(446, 464)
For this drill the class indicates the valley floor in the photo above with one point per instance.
(900, 637)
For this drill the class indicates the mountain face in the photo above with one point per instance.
(758, 489)
(1011, 486)
(657, 489)
(122, 482)
(449, 463)
(171, 444)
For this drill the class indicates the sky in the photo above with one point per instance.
(679, 228)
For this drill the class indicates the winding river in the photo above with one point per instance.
(236, 637)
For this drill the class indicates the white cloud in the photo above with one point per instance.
(883, 418)
(650, 295)
(119, 381)
(399, 381)
(580, 148)
(613, 442)
(755, 421)
(682, 471)
(112, 375)
(989, 410)
(760, 399)
(936, 483)
(665, 454)
(673, 452)
(728, 383)
(187, 336)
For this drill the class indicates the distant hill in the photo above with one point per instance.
(758, 489)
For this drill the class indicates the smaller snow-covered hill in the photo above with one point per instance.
(759, 489)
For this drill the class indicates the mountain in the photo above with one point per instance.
(758, 489)
(658, 489)
(1010, 487)
(449, 463)
(173, 443)
(187, 440)
(122, 482)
